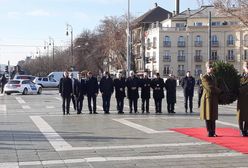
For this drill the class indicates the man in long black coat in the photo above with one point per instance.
(132, 84)
(120, 84)
(145, 84)
(92, 91)
(80, 92)
(74, 93)
(170, 86)
(107, 89)
(65, 90)
(158, 92)
(188, 84)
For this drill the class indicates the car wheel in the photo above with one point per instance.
(25, 91)
(41, 85)
(39, 91)
(8, 93)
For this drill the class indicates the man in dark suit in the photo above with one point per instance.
(132, 84)
(65, 90)
(92, 91)
(107, 89)
(119, 84)
(145, 85)
(170, 86)
(158, 92)
(3, 82)
(73, 96)
(188, 84)
(80, 92)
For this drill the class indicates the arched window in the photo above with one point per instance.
(215, 41)
(230, 40)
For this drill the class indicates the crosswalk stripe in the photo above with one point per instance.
(20, 100)
(26, 107)
(3, 109)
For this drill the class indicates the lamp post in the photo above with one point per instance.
(67, 33)
(51, 42)
(128, 41)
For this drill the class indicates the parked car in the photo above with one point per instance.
(46, 82)
(30, 77)
(22, 86)
(58, 75)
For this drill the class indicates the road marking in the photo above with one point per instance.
(50, 107)
(140, 127)
(227, 123)
(20, 100)
(26, 107)
(3, 109)
(111, 159)
(52, 136)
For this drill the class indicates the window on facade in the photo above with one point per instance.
(179, 24)
(230, 55)
(215, 40)
(167, 41)
(166, 70)
(181, 41)
(181, 71)
(181, 53)
(148, 43)
(245, 54)
(214, 55)
(167, 56)
(148, 54)
(246, 40)
(230, 40)
(197, 52)
(198, 38)
(154, 56)
(216, 23)
(198, 24)
(154, 45)
(198, 70)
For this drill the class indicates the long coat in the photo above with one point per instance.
(132, 84)
(145, 85)
(158, 88)
(170, 86)
(188, 84)
(81, 89)
(242, 106)
(120, 85)
(65, 87)
(92, 86)
(106, 86)
(209, 100)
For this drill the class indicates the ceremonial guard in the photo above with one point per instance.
(158, 92)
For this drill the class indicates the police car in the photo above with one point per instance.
(22, 86)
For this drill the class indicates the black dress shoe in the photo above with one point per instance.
(95, 113)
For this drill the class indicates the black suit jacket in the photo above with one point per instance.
(65, 87)
(92, 86)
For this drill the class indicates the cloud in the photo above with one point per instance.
(39, 12)
(13, 14)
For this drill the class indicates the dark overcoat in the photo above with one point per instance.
(120, 85)
(145, 85)
(188, 84)
(158, 88)
(106, 86)
(65, 87)
(92, 86)
(170, 86)
(132, 84)
(242, 106)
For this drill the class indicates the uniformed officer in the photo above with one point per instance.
(132, 84)
(158, 92)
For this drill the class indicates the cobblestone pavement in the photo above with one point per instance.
(35, 134)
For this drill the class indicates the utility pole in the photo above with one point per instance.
(128, 41)
(209, 36)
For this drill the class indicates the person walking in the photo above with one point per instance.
(158, 92)
(73, 96)
(188, 84)
(119, 85)
(91, 91)
(145, 85)
(3, 82)
(107, 89)
(170, 86)
(242, 106)
(65, 90)
(200, 90)
(209, 100)
(80, 92)
(132, 84)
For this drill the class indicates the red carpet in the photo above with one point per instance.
(227, 137)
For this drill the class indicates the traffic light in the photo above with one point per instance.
(7, 69)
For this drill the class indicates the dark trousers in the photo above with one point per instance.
(106, 103)
(145, 102)
(190, 99)
(93, 98)
(243, 126)
(79, 105)
(74, 99)
(133, 105)
(66, 104)
(199, 99)
(158, 105)
(120, 104)
(210, 125)
(170, 107)
(2, 87)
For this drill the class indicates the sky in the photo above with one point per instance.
(27, 25)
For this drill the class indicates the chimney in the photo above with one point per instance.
(177, 6)
(156, 5)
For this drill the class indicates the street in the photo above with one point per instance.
(35, 134)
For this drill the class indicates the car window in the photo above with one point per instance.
(45, 79)
(39, 79)
(24, 82)
(53, 80)
(14, 82)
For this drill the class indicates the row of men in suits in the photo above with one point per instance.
(74, 90)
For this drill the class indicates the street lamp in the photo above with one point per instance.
(51, 42)
(67, 33)
(128, 40)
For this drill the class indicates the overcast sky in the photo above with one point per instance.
(26, 24)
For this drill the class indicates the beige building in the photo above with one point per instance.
(180, 43)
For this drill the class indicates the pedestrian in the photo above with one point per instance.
(188, 84)
(209, 100)
(73, 96)
(170, 86)
(3, 82)
(119, 85)
(106, 88)
(242, 106)
(158, 92)
(145, 84)
(200, 90)
(65, 90)
(80, 91)
(132, 84)
(91, 91)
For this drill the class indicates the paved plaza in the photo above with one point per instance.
(35, 134)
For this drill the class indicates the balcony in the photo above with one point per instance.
(214, 58)
(198, 58)
(167, 58)
(181, 72)
(181, 44)
(167, 44)
(230, 58)
(215, 43)
(230, 43)
(181, 58)
(198, 43)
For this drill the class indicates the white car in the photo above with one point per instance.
(46, 82)
(22, 86)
